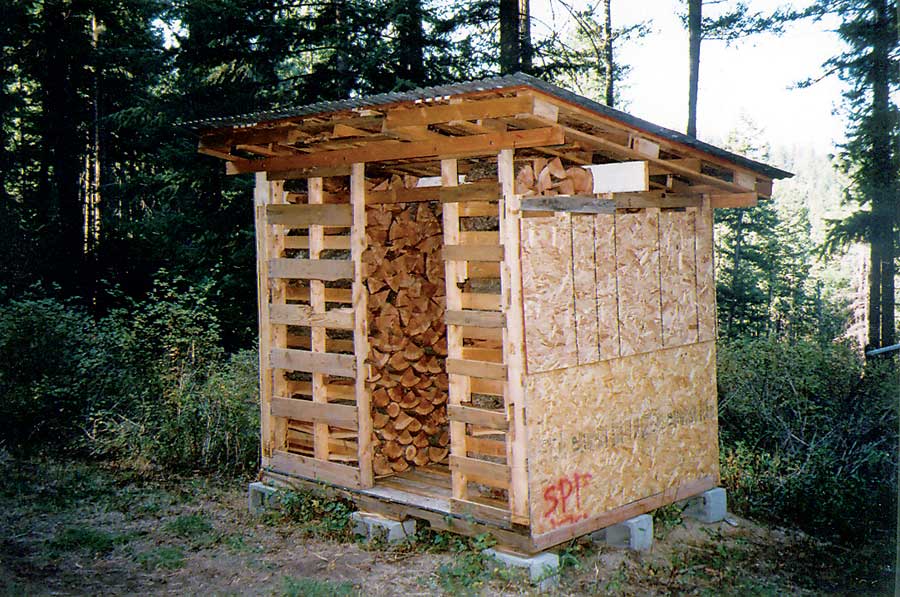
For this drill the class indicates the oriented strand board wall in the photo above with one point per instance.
(607, 434)
(604, 286)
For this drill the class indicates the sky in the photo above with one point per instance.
(755, 78)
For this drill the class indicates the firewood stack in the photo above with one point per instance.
(549, 178)
(407, 336)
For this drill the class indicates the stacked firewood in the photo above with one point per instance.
(407, 335)
(548, 178)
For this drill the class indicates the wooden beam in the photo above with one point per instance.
(384, 151)
(486, 447)
(480, 301)
(579, 204)
(491, 514)
(332, 295)
(480, 319)
(733, 200)
(478, 416)
(336, 415)
(328, 242)
(655, 199)
(473, 252)
(329, 363)
(478, 191)
(315, 469)
(336, 319)
(311, 269)
(692, 163)
(481, 471)
(481, 369)
(302, 216)
(467, 110)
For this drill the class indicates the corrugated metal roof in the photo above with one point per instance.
(495, 83)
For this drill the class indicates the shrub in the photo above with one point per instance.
(808, 434)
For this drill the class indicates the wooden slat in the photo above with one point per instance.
(480, 301)
(311, 269)
(333, 392)
(734, 200)
(476, 333)
(478, 191)
(338, 415)
(338, 319)
(480, 270)
(486, 447)
(481, 471)
(490, 514)
(489, 387)
(480, 319)
(478, 416)
(302, 216)
(262, 197)
(473, 252)
(470, 110)
(692, 163)
(470, 146)
(332, 295)
(479, 237)
(331, 344)
(577, 204)
(315, 469)
(651, 199)
(333, 242)
(477, 353)
(478, 209)
(319, 362)
(318, 336)
(481, 369)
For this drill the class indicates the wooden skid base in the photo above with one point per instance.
(400, 498)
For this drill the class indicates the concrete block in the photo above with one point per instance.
(710, 506)
(374, 527)
(258, 496)
(543, 568)
(635, 533)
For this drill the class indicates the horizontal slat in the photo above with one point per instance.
(478, 319)
(473, 253)
(481, 369)
(488, 387)
(478, 416)
(333, 392)
(570, 204)
(338, 415)
(479, 191)
(475, 333)
(481, 270)
(312, 468)
(734, 200)
(314, 362)
(479, 237)
(328, 242)
(480, 471)
(338, 319)
(331, 344)
(486, 447)
(654, 199)
(478, 353)
(491, 108)
(479, 209)
(332, 295)
(482, 512)
(480, 301)
(312, 269)
(303, 216)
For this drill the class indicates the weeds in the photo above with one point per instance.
(310, 587)
(165, 557)
(317, 513)
(82, 538)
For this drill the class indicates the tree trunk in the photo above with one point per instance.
(608, 54)
(525, 50)
(695, 21)
(509, 36)
(412, 42)
(883, 186)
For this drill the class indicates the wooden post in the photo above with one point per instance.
(361, 323)
(513, 337)
(317, 333)
(459, 384)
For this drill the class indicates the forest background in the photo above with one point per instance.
(127, 272)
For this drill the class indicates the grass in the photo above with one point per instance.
(84, 539)
(310, 587)
(165, 557)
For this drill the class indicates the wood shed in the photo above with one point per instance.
(490, 305)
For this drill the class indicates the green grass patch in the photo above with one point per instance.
(189, 526)
(83, 538)
(162, 558)
(310, 587)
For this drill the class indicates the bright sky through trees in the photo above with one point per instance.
(755, 77)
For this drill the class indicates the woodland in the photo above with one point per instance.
(127, 268)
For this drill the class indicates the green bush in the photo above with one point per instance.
(808, 434)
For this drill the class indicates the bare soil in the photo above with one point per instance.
(89, 529)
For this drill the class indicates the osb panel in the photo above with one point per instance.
(637, 257)
(607, 292)
(678, 277)
(604, 435)
(547, 292)
(585, 287)
(706, 283)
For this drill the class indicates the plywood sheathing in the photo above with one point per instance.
(602, 286)
(656, 431)
(409, 383)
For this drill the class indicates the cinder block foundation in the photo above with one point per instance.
(258, 496)
(378, 528)
(635, 534)
(710, 506)
(543, 568)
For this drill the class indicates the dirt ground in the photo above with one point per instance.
(87, 529)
